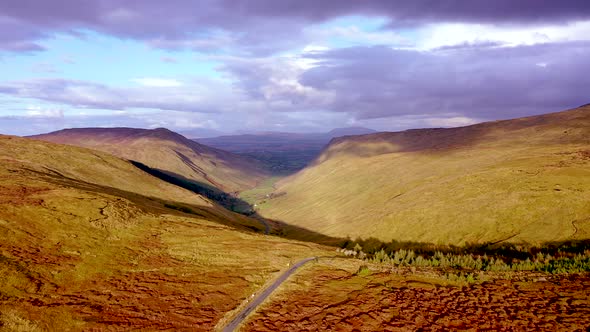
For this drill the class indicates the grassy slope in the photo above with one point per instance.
(87, 242)
(69, 163)
(167, 151)
(523, 180)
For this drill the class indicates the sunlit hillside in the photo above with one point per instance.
(518, 180)
(168, 151)
(90, 242)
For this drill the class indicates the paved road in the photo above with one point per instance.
(266, 226)
(263, 295)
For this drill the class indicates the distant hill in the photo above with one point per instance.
(282, 153)
(167, 151)
(37, 161)
(525, 179)
(200, 133)
(351, 131)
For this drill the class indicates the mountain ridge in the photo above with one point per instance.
(167, 151)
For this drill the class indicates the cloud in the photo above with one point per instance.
(18, 35)
(157, 82)
(274, 81)
(168, 59)
(374, 82)
(43, 68)
(441, 87)
(202, 97)
(459, 35)
(255, 26)
(38, 112)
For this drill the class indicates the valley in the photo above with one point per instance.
(280, 153)
(398, 230)
(294, 165)
(522, 180)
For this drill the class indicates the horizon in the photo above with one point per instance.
(294, 67)
(217, 134)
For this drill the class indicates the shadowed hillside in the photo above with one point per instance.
(517, 180)
(168, 151)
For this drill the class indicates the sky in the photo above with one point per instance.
(213, 67)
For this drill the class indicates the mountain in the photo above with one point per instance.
(350, 131)
(91, 242)
(524, 180)
(200, 133)
(29, 161)
(282, 153)
(167, 151)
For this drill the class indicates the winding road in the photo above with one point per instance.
(266, 226)
(231, 326)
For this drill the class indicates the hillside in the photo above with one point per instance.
(90, 242)
(517, 180)
(27, 159)
(281, 153)
(169, 152)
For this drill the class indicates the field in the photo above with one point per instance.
(261, 193)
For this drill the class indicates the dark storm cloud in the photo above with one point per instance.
(425, 11)
(484, 83)
(257, 26)
(19, 37)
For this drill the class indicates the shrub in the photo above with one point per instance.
(363, 271)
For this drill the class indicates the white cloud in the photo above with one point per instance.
(38, 112)
(353, 35)
(453, 34)
(157, 82)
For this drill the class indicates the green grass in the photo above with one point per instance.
(258, 195)
(564, 263)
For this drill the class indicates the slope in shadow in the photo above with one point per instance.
(152, 204)
(240, 206)
(224, 199)
(370, 245)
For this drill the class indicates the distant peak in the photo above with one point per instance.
(350, 131)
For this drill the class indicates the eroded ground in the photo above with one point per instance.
(324, 297)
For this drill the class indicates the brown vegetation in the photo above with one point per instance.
(90, 242)
(324, 298)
